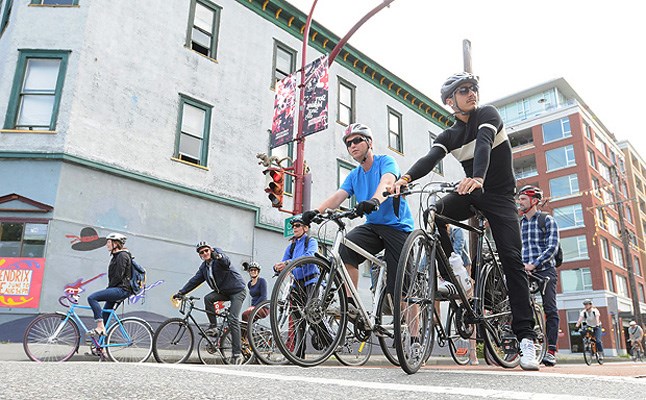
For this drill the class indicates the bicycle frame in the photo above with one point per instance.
(188, 315)
(113, 318)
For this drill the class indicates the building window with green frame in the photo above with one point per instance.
(286, 152)
(346, 111)
(439, 168)
(23, 238)
(203, 27)
(55, 2)
(193, 129)
(343, 170)
(284, 62)
(4, 15)
(395, 140)
(36, 92)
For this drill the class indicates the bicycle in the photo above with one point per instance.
(56, 336)
(416, 285)
(174, 339)
(260, 337)
(319, 313)
(537, 285)
(636, 352)
(590, 346)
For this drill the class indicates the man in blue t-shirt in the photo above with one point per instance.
(386, 227)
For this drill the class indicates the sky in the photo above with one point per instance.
(597, 46)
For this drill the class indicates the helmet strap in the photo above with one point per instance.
(456, 106)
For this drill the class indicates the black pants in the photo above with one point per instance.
(502, 214)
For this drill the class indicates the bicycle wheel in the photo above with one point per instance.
(496, 311)
(458, 346)
(386, 337)
(260, 338)
(598, 357)
(352, 352)
(214, 350)
(41, 345)
(300, 314)
(541, 336)
(173, 341)
(414, 299)
(129, 341)
(587, 353)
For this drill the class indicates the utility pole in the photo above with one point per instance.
(625, 240)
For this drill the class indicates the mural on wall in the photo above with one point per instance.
(89, 240)
(21, 281)
(136, 297)
(72, 290)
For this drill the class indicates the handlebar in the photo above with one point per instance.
(335, 215)
(435, 187)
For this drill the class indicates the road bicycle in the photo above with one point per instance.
(57, 336)
(590, 346)
(174, 339)
(636, 353)
(260, 337)
(422, 259)
(311, 323)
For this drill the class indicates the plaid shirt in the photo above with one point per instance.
(537, 249)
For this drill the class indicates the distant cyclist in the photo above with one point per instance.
(257, 290)
(591, 317)
(636, 336)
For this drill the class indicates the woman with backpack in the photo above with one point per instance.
(257, 289)
(118, 281)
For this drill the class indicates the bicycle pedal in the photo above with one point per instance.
(510, 345)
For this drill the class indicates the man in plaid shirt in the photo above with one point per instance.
(539, 248)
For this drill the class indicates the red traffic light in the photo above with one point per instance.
(276, 180)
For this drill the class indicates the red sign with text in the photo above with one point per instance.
(21, 281)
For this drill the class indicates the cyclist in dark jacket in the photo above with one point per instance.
(227, 284)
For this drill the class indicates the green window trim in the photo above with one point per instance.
(212, 51)
(6, 12)
(16, 90)
(274, 72)
(340, 164)
(342, 83)
(399, 146)
(55, 3)
(204, 147)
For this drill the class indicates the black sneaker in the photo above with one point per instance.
(212, 330)
(236, 360)
(549, 360)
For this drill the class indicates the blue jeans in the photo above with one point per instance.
(597, 336)
(549, 306)
(234, 315)
(111, 296)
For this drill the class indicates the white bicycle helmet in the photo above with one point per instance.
(117, 237)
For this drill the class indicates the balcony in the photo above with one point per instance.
(525, 167)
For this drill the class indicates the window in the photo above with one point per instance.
(605, 249)
(346, 103)
(4, 21)
(637, 266)
(622, 286)
(439, 168)
(561, 157)
(641, 293)
(569, 216)
(203, 26)
(395, 130)
(556, 130)
(592, 159)
(600, 145)
(574, 248)
(588, 132)
(613, 226)
(596, 187)
(56, 2)
(564, 186)
(605, 171)
(574, 280)
(610, 284)
(284, 62)
(36, 92)
(617, 256)
(22, 239)
(602, 219)
(191, 144)
(629, 214)
(286, 150)
(343, 170)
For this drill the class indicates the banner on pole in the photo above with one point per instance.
(316, 96)
(282, 127)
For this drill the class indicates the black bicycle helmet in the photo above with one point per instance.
(357, 129)
(454, 81)
(298, 219)
(531, 191)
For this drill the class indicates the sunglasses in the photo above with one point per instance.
(464, 90)
(356, 140)
(297, 225)
(204, 251)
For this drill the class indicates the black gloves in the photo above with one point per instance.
(368, 206)
(309, 215)
(177, 296)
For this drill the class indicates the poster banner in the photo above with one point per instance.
(282, 127)
(21, 280)
(316, 96)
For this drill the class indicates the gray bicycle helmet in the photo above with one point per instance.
(201, 245)
(587, 301)
(117, 237)
(357, 129)
(454, 81)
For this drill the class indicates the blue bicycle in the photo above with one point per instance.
(57, 337)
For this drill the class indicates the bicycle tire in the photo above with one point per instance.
(496, 310)
(299, 314)
(414, 300)
(598, 357)
(384, 318)
(129, 341)
(587, 353)
(260, 338)
(40, 346)
(214, 350)
(173, 341)
(541, 335)
(352, 352)
(458, 346)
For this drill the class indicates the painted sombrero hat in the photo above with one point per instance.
(89, 240)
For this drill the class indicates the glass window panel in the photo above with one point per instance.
(344, 171)
(564, 186)
(35, 110)
(574, 247)
(345, 95)
(344, 115)
(560, 158)
(394, 141)
(204, 17)
(33, 250)
(190, 146)
(193, 120)
(622, 286)
(10, 232)
(41, 75)
(569, 217)
(35, 232)
(393, 121)
(576, 280)
(201, 38)
(58, 2)
(283, 61)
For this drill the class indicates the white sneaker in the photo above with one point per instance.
(528, 360)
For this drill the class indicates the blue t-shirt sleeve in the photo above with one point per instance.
(388, 165)
(348, 183)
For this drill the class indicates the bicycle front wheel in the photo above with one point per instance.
(386, 324)
(173, 341)
(131, 340)
(301, 310)
(260, 337)
(496, 310)
(458, 346)
(414, 298)
(51, 337)
(587, 354)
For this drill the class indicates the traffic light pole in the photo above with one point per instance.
(299, 164)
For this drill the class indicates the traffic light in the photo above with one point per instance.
(275, 183)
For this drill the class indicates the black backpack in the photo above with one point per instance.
(558, 256)
(293, 246)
